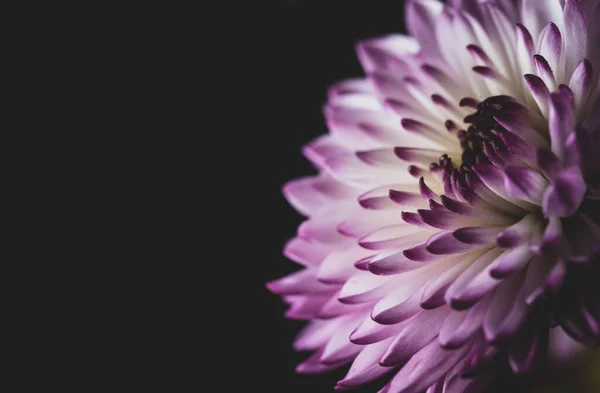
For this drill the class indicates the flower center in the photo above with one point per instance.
(481, 142)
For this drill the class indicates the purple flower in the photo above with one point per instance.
(455, 219)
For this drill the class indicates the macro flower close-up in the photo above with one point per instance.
(452, 229)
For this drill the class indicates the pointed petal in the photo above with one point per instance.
(394, 236)
(414, 336)
(313, 365)
(463, 284)
(548, 162)
(550, 46)
(301, 282)
(581, 83)
(365, 367)
(424, 368)
(561, 122)
(460, 326)
(445, 243)
(305, 252)
(392, 262)
(510, 262)
(524, 183)
(575, 34)
(478, 235)
(369, 331)
(364, 287)
(421, 17)
(539, 91)
(565, 194)
(518, 233)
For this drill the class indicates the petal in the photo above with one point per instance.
(386, 53)
(426, 192)
(339, 348)
(473, 281)
(544, 71)
(550, 46)
(552, 242)
(539, 91)
(333, 308)
(501, 304)
(349, 86)
(460, 326)
(581, 83)
(350, 170)
(413, 219)
(395, 236)
(474, 291)
(525, 49)
(538, 14)
(315, 334)
(369, 331)
(310, 194)
(478, 235)
(510, 262)
(392, 262)
(519, 147)
(424, 368)
(419, 253)
(306, 307)
(516, 125)
(322, 148)
(529, 349)
(365, 221)
(524, 183)
(380, 158)
(322, 227)
(565, 194)
(423, 157)
(483, 215)
(365, 367)
(437, 387)
(575, 34)
(410, 199)
(379, 199)
(561, 122)
(446, 220)
(313, 365)
(490, 199)
(494, 179)
(573, 150)
(301, 282)
(548, 162)
(414, 127)
(305, 252)
(514, 320)
(402, 302)
(445, 243)
(518, 233)
(338, 266)
(421, 17)
(414, 336)
(435, 289)
(364, 287)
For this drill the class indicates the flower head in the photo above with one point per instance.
(455, 218)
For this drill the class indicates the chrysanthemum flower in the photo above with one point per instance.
(455, 219)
